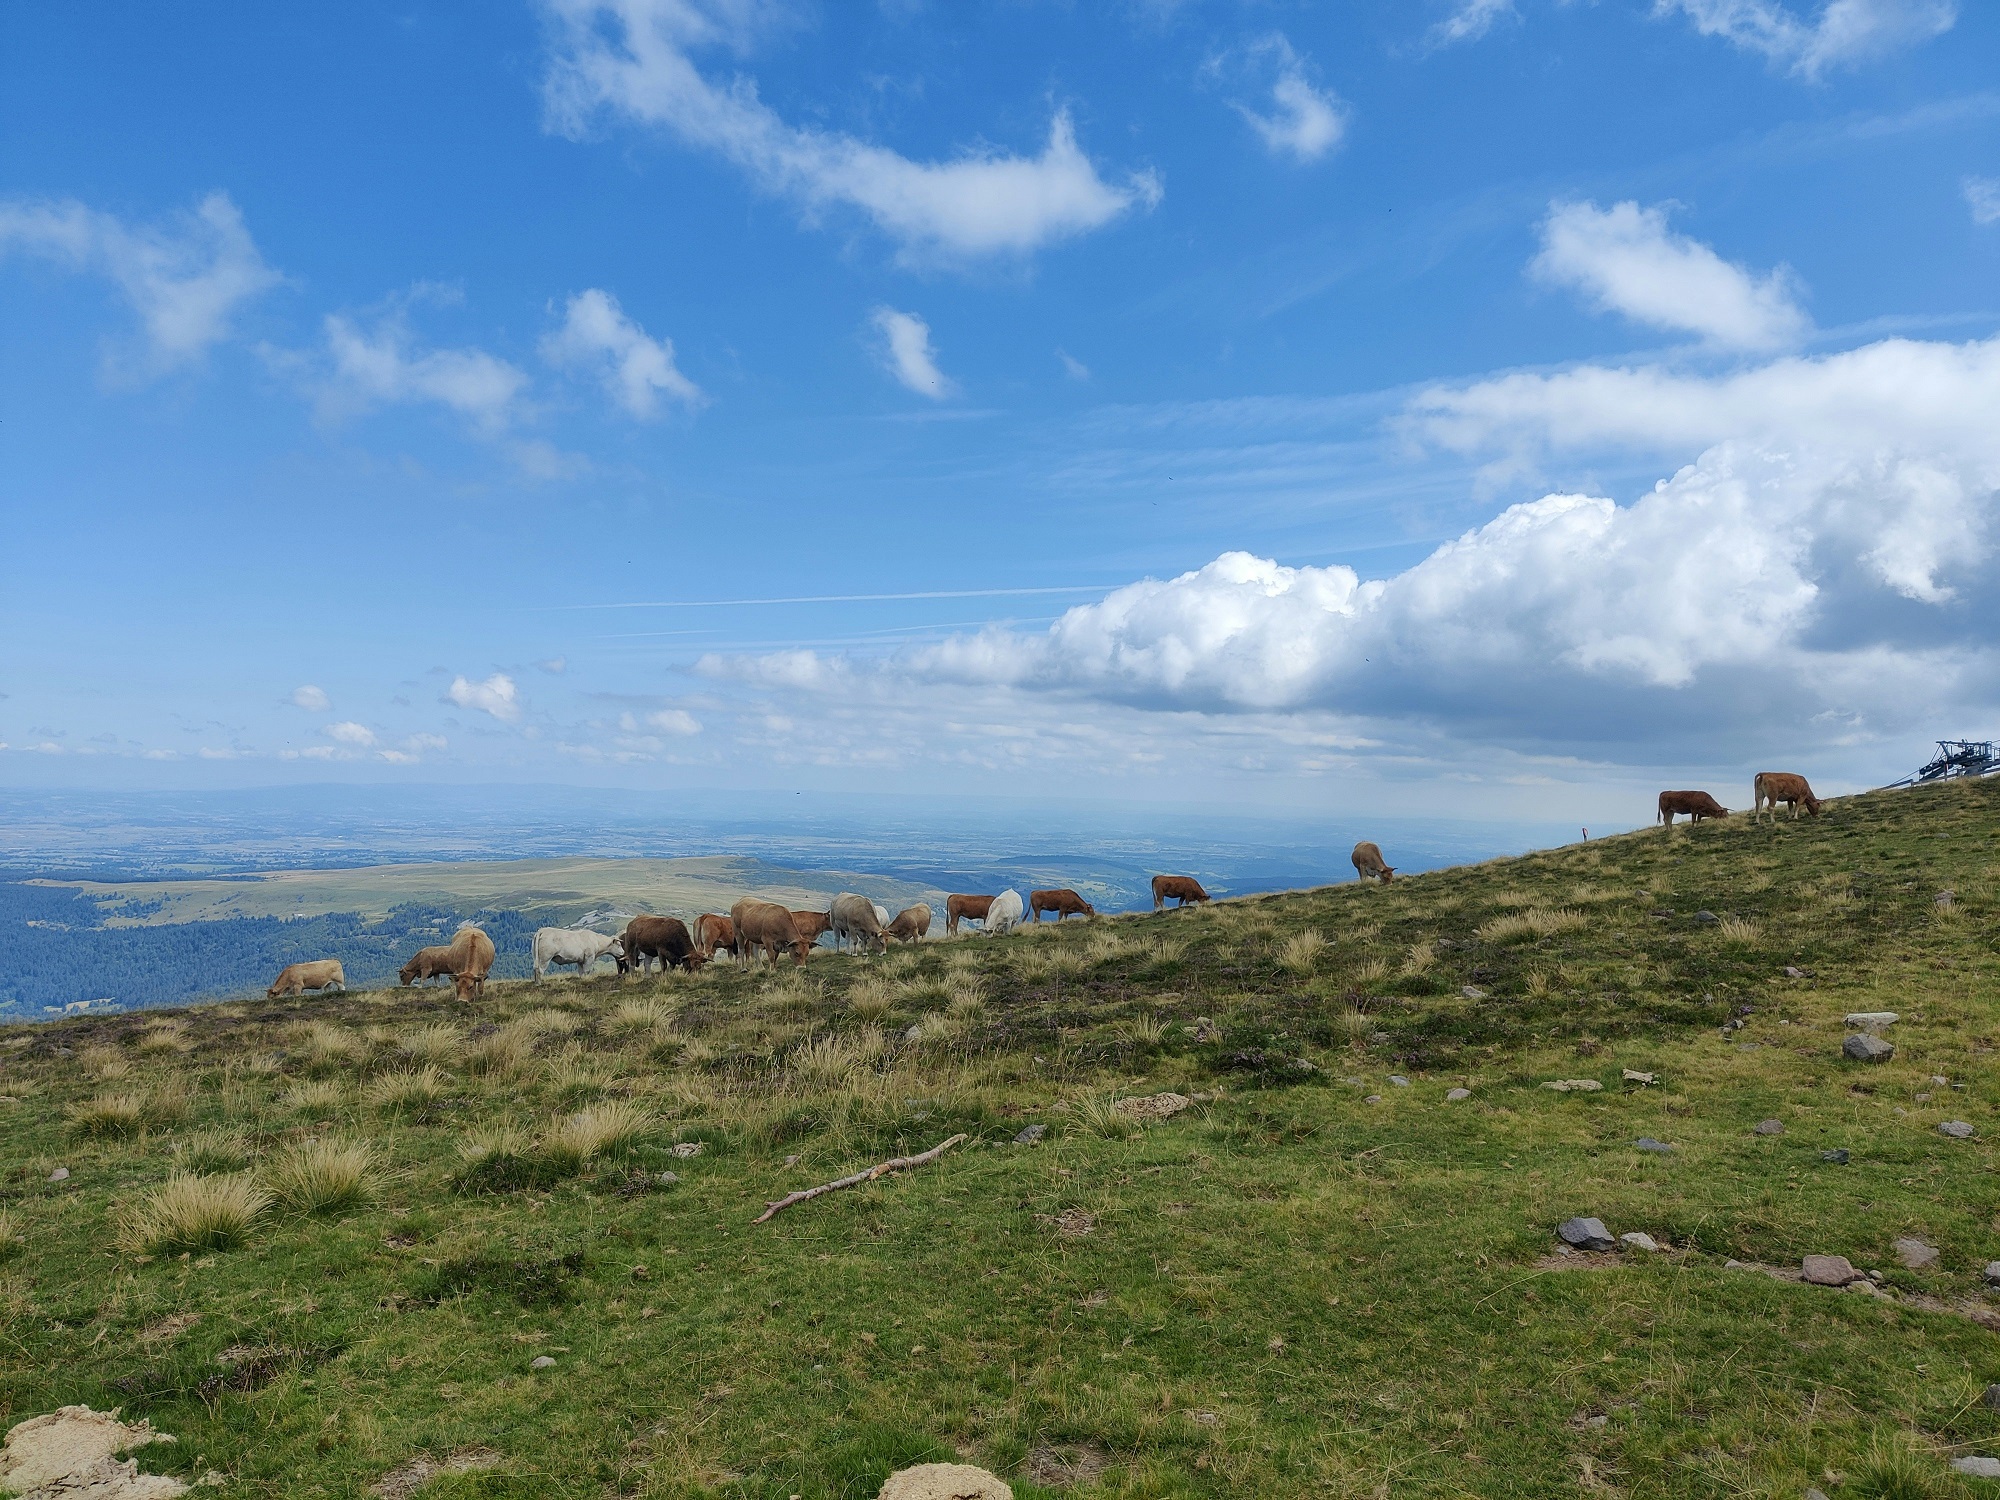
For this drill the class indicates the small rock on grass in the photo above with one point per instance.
(1769, 1127)
(685, 1149)
(1958, 1130)
(1867, 1049)
(945, 1482)
(1915, 1255)
(1868, 1020)
(1400, 1081)
(1647, 1143)
(1978, 1466)
(1586, 1234)
(1813, 1494)
(1032, 1134)
(60, 1174)
(1706, 918)
(1573, 1085)
(542, 1362)
(1838, 1156)
(1638, 1239)
(1993, 1273)
(1633, 1075)
(1456, 1094)
(1990, 1398)
(1829, 1270)
(1472, 992)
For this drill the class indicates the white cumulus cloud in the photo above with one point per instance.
(674, 721)
(631, 58)
(350, 733)
(185, 277)
(635, 369)
(1302, 121)
(1844, 33)
(495, 696)
(1982, 196)
(381, 365)
(311, 698)
(1625, 259)
(907, 353)
(1470, 21)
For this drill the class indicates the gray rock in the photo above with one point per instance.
(1829, 1270)
(60, 1174)
(686, 1149)
(1867, 1049)
(1869, 1020)
(1993, 1273)
(1472, 992)
(1372, 1099)
(1400, 1081)
(1733, 1264)
(1706, 918)
(1633, 1075)
(668, 1179)
(1990, 1398)
(542, 1362)
(1958, 1130)
(1638, 1239)
(1647, 1143)
(1586, 1234)
(1915, 1255)
(1838, 1156)
(1032, 1134)
(1813, 1494)
(1794, 973)
(1769, 1127)
(1457, 1094)
(1978, 1466)
(915, 1031)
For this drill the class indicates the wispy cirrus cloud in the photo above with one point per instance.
(1845, 33)
(635, 369)
(907, 353)
(1301, 120)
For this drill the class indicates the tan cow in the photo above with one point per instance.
(1181, 888)
(713, 935)
(765, 927)
(1772, 787)
(428, 964)
(1063, 902)
(1368, 864)
(811, 924)
(912, 924)
(856, 923)
(1697, 805)
(471, 962)
(296, 979)
(964, 909)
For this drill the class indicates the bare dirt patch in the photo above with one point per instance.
(406, 1479)
(1066, 1466)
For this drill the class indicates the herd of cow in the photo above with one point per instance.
(754, 929)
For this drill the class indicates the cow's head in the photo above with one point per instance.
(1388, 873)
(694, 960)
(409, 971)
(465, 986)
(1812, 804)
(271, 993)
(800, 948)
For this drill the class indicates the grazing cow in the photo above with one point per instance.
(1368, 864)
(714, 935)
(765, 927)
(811, 924)
(1181, 888)
(471, 962)
(911, 925)
(574, 946)
(1005, 912)
(964, 909)
(1064, 903)
(857, 919)
(664, 938)
(1697, 805)
(296, 979)
(1772, 787)
(428, 964)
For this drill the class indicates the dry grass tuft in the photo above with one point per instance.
(1147, 1031)
(108, 1115)
(649, 1014)
(1419, 958)
(319, 1177)
(575, 1074)
(493, 1143)
(435, 1043)
(406, 1089)
(548, 1021)
(832, 1061)
(1373, 972)
(103, 1064)
(1098, 1114)
(1538, 984)
(603, 1129)
(1738, 930)
(318, 1098)
(163, 1040)
(1301, 953)
(1535, 922)
(325, 1045)
(194, 1214)
(169, 1101)
(214, 1150)
(1355, 1025)
(502, 1053)
(11, 1241)
(965, 997)
(869, 998)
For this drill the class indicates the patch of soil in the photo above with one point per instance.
(1067, 1466)
(168, 1328)
(1153, 1106)
(406, 1479)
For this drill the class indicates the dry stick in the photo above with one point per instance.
(897, 1165)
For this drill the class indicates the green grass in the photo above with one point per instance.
(1316, 1283)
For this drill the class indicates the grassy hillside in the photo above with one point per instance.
(1314, 1281)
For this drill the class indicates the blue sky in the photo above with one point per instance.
(1469, 408)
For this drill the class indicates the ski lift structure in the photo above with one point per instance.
(1955, 758)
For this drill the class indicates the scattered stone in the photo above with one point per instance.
(1032, 1134)
(1868, 1020)
(914, 1032)
(1838, 1156)
(69, 1452)
(1813, 1494)
(1638, 1239)
(1990, 1398)
(1372, 1099)
(1978, 1466)
(1993, 1273)
(945, 1482)
(1733, 1264)
(1958, 1130)
(1586, 1234)
(1707, 918)
(668, 1179)
(686, 1149)
(1355, 1082)
(1768, 1127)
(1938, 1079)
(791, 1161)
(1633, 1075)
(406, 1479)
(1400, 1081)
(60, 1174)
(1647, 1143)
(1830, 1270)
(1075, 1223)
(1153, 1106)
(1573, 1085)
(1792, 972)
(1915, 1254)
(1867, 1049)
(1456, 1094)
(1944, 898)
(542, 1362)
(1472, 992)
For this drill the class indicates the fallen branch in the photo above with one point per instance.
(899, 1164)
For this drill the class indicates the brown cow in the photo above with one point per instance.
(713, 934)
(1772, 787)
(1697, 805)
(1368, 864)
(1181, 888)
(765, 927)
(911, 925)
(663, 938)
(296, 979)
(964, 909)
(428, 964)
(811, 924)
(1064, 903)
(471, 962)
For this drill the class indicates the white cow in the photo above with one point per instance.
(855, 921)
(1006, 910)
(573, 945)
